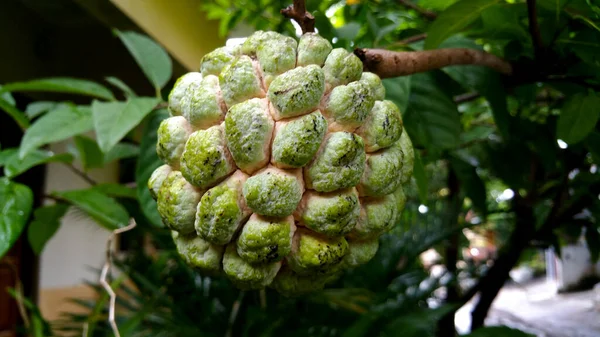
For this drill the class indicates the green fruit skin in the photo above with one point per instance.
(341, 67)
(313, 49)
(240, 82)
(222, 210)
(382, 127)
(177, 201)
(206, 159)
(199, 253)
(296, 92)
(375, 84)
(157, 178)
(276, 57)
(360, 252)
(339, 163)
(203, 106)
(377, 216)
(313, 254)
(408, 162)
(290, 284)
(297, 141)
(248, 130)
(214, 62)
(348, 106)
(179, 89)
(332, 214)
(383, 172)
(265, 240)
(247, 276)
(173, 133)
(274, 192)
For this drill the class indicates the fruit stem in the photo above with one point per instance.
(298, 13)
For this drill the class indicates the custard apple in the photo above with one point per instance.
(284, 163)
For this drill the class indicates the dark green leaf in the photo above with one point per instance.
(498, 331)
(431, 116)
(397, 90)
(100, 207)
(18, 116)
(116, 190)
(45, 223)
(113, 120)
(127, 91)
(56, 125)
(16, 201)
(88, 152)
(502, 21)
(37, 108)
(592, 237)
(454, 19)
(62, 85)
(14, 165)
(147, 163)
(150, 56)
(121, 151)
(471, 183)
(578, 117)
(421, 178)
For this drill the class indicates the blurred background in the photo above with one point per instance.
(466, 216)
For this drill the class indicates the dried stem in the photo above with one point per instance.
(105, 272)
(534, 29)
(298, 13)
(82, 174)
(386, 63)
(427, 14)
(235, 309)
(466, 97)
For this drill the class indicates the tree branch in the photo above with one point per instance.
(534, 29)
(427, 14)
(386, 63)
(82, 174)
(298, 13)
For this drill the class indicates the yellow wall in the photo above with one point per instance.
(179, 25)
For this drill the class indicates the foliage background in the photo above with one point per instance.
(477, 135)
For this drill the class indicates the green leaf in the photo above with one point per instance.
(431, 116)
(116, 190)
(578, 118)
(113, 120)
(14, 165)
(421, 178)
(454, 19)
(397, 90)
(6, 154)
(14, 113)
(127, 91)
(16, 201)
(56, 125)
(471, 183)
(8, 97)
(100, 207)
(150, 56)
(348, 31)
(88, 152)
(62, 85)
(37, 108)
(502, 21)
(121, 151)
(592, 237)
(147, 163)
(498, 331)
(45, 223)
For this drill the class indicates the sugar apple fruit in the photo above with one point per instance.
(284, 163)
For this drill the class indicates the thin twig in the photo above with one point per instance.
(408, 40)
(466, 97)
(104, 274)
(298, 13)
(19, 291)
(82, 174)
(263, 299)
(534, 29)
(427, 14)
(235, 308)
(386, 63)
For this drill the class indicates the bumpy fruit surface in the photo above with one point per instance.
(284, 163)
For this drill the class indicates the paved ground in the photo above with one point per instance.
(537, 308)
